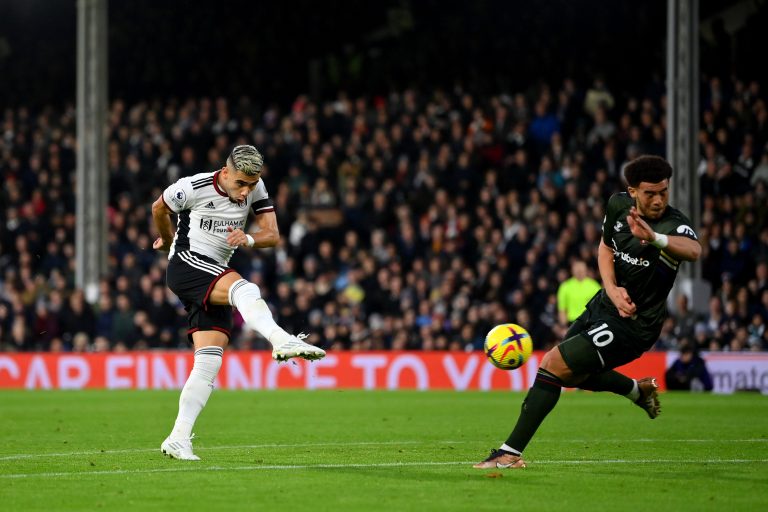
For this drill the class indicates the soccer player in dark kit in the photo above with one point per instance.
(644, 241)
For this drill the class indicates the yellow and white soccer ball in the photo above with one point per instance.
(508, 346)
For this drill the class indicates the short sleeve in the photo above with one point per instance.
(681, 226)
(260, 200)
(611, 211)
(179, 196)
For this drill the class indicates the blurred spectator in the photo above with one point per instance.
(81, 342)
(760, 173)
(684, 319)
(123, 329)
(598, 96)
(688, 372)
(77, 317)
(574, 293)
(101, 344)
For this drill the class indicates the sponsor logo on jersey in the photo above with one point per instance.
(179, 197)
(210, 205)
(686, 230)
(638, 262)
(219, 226)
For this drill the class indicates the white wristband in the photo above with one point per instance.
(660, 241)
(251, 241)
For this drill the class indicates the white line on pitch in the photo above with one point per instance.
(645, 440)
(20, 456)
(229, 447)
(193, 467)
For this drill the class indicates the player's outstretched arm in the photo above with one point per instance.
(679, 247)
(617, 294)
(267, 233)
(161, 214)
(683, 248)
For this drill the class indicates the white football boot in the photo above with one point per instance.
(298, 348)
(179, 448)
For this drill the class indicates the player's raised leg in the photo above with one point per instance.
(580, 354)
(641, 392)
(233, 290)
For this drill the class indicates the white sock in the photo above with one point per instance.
(246, 297)
(197, 390)
(635, 393)
(509, 449)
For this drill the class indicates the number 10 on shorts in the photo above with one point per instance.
(601, 336)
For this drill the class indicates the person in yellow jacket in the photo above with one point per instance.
(574, 293)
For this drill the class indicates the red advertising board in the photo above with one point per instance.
(256, 370)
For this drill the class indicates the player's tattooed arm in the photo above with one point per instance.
(161, 214)
(266, 234)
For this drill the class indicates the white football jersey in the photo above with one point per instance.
(205, 212)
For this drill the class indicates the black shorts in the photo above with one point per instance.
(192, 276)
(600, 340)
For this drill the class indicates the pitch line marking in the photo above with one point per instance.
(20, 456)
(278, 467)
(227, 447)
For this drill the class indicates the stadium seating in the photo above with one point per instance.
(416, 220)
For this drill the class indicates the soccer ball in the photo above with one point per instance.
(508, 346)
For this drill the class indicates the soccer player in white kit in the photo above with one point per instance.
(212, 211)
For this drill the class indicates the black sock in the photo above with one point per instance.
(541, 398)
(611, 380)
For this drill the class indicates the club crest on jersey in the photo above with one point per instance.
(210, 205)
(618, 226)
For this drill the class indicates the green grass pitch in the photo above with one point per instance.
(358, 450)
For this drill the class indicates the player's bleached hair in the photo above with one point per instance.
(648, 168)
(246, 159)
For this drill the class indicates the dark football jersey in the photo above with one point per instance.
(646, 272)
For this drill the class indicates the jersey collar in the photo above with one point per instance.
(216, 184)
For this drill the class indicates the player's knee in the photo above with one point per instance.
(246, 297)
(550, 359)
(554, 363)
(244, 293)
(208, 362)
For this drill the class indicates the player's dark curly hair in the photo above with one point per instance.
(648, 168)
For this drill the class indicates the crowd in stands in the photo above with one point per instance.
(415, 220)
